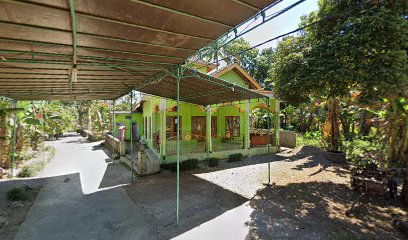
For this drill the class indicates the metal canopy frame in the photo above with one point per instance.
(77, 39)
(101, 49)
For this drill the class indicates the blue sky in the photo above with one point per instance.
(284, 23)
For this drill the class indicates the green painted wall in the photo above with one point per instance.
(187, 111)
(136, 117)
(233, 77)
(152, 115)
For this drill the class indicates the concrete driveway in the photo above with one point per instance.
(82, 198)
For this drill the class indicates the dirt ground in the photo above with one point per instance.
(12, 214)
(308, 200)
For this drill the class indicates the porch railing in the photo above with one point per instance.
(190, 144)
(237, 142)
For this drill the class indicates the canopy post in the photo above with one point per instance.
(13, 152)
(131, 134)
(248, 134)
(208, 131)
(178, 76)
(276, 124)
(269, 139)
(113, 130)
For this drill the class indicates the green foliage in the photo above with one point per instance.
(365, 150)
(235, 157)
(349, 46)
(213, 162)
(315, 141)
(313, 135)
(26, 155)
(246, 60)
(17, 194)
(32, 169)
(25, 172)
(213, 52)
(186, 165)
(306, 117)
(254, 62)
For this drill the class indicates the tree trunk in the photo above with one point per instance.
(393, 131)
(99, 118)
(3, 134)
(19, 140)
(365, 126)
(404, 157)
(310, 122)
(331, 126)
(345, 123)
(89, 119)
(81, 122)
(7, 163)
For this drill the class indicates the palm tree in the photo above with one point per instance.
(215, 51)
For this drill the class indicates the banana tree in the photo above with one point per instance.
(7, 118)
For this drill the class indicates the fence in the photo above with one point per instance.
(119, 145)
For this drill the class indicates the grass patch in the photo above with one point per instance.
(27, 171)
(186, 165)
(33, 169)
(235, 157)
(18, 194)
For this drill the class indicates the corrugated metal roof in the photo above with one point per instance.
(119, 43)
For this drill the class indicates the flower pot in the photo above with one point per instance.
(335, 156)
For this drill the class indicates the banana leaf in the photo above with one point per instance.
(32, 121)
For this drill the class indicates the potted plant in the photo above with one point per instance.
(332, 154)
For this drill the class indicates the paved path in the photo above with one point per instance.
(81, 199)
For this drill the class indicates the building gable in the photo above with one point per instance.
(233, 77)
(236, 74)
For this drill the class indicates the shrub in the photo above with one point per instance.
(213, 162)
(17, 194)
(235, 157)
(186, 165)
(25, 172)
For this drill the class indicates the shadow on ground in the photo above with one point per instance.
(116, 174)
(307, 156)
(146, 208)
(200, 201)
(316, 210)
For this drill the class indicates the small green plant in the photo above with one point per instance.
(25, 172)
(235, 157)
(17, 194)
(213, 162)
(311, 140)
(365, 150)
(313, 135)
(186, 165)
